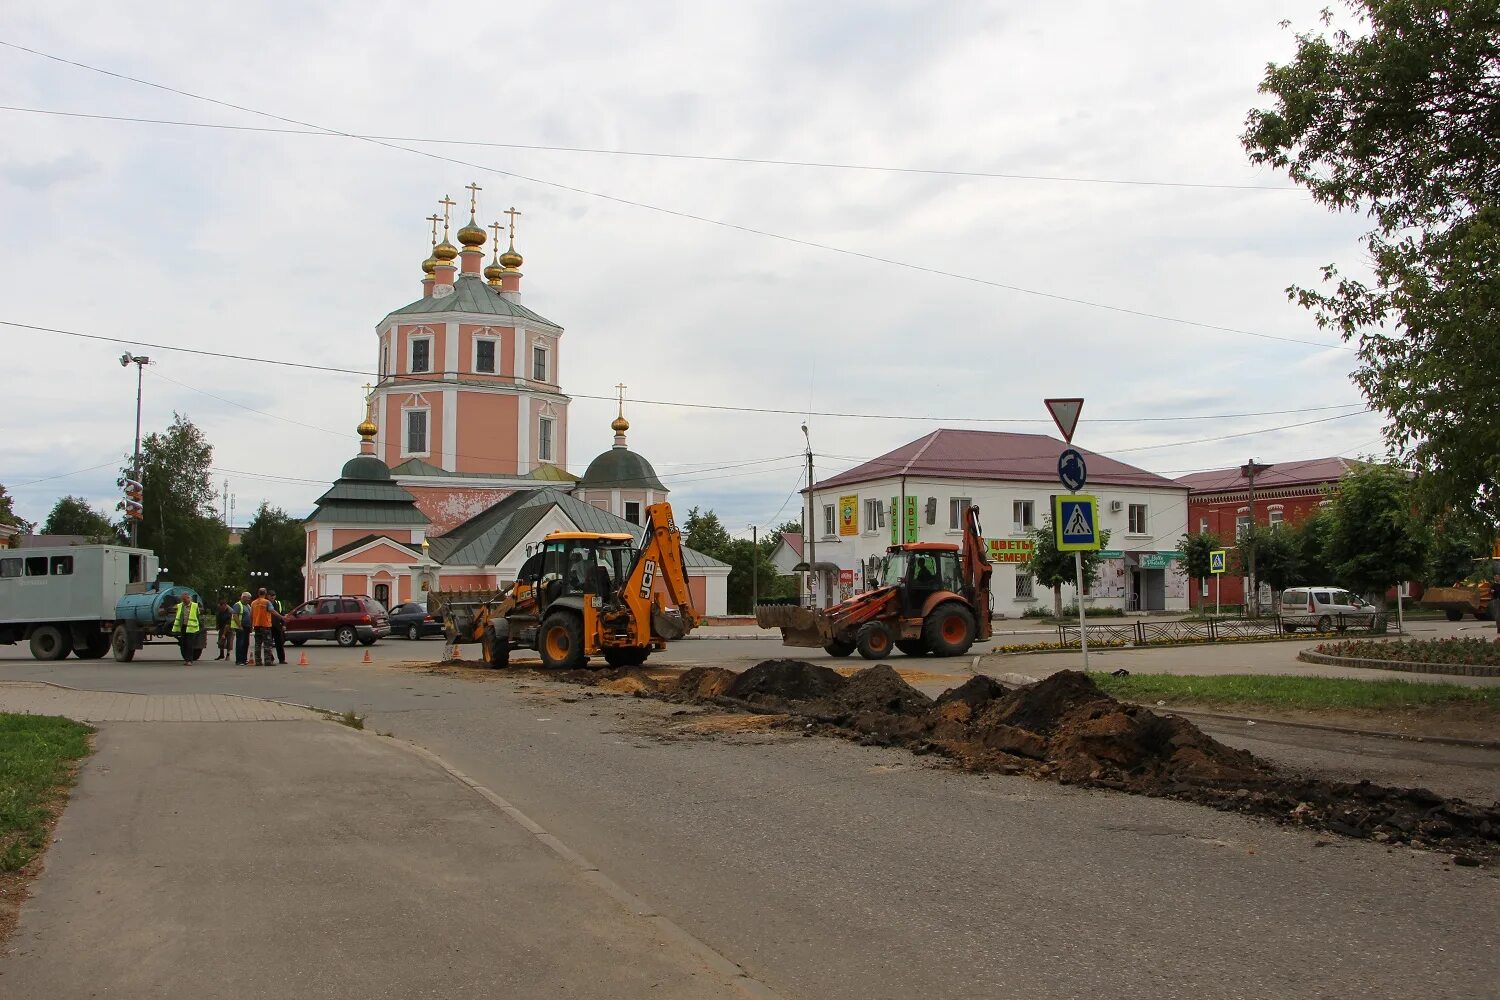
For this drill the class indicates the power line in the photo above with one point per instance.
(432, 376)
(677, 213)
(655, 154)
(65, 475)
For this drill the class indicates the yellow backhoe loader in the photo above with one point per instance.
(586, 593)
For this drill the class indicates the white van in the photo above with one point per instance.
(1320, 607)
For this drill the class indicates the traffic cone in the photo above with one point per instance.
(302, 661)
(367, 657)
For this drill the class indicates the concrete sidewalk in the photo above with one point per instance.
(300, 858)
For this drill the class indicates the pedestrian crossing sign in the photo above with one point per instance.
(1076, 519)
(1216, 560)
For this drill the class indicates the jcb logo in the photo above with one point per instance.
(648, 578)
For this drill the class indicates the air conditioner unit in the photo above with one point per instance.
(1116, 506)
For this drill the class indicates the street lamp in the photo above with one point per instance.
(754, 569)
(126, 360)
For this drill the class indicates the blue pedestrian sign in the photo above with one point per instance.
(1071, 471)
(1216, 560)
(1076, 519)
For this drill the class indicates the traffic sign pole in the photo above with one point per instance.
(1217, 578)
(1083, 625)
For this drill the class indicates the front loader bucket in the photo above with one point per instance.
(799, 626)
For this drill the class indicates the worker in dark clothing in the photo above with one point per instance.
(278, 625)
(224, 619)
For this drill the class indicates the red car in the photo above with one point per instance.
(345, 620)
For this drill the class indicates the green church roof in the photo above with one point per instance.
(620, 468)
(472, 295)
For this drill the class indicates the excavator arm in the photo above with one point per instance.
(975, 559)
(659, 559)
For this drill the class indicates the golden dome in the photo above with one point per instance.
(428, 265)
(493, 272)
(619, 425)
(445, 252)
(367, 429)
(511, 259)
(471, 235)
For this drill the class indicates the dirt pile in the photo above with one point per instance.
(783, 683)
(703, 683)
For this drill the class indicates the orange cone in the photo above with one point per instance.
(302, 661)
(367, 657)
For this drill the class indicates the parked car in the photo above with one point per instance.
(1321, 607)
(345, 620)
(412, 620)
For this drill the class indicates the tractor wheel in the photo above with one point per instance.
(561, 641)
(912, 647)
(839, 647)
(121, 646)
(48, 642)
(873, 641)
(497, 642)
(92, 648)
(949, 631)
(1454, 615)
(627, 656)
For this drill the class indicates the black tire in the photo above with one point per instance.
(630, 656)
(1453, 614)
(560, 641)
(839, 648)
(121, 646)
(1325, 624)
(48, 642)
(873, 641)
(912, 647)
(370, 641)
(949, 631)
(1288, 627)
(345, 636)
(414, 632)
(296, 642)
(497, 643)
(1481, 616)
(94, 647)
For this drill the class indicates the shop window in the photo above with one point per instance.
(957, 508)
(830, 519)
(1023, 516)
(1025, 587)
(1136, 521)
(874, 515)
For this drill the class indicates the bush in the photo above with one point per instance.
(1476, 652)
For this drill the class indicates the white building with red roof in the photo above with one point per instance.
(1012, 479)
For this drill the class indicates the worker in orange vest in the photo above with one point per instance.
(260, 621)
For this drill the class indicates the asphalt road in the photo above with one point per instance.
(832, 870)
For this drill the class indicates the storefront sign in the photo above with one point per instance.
(910, 520)
(846, 577)
(1111, 554)
(1010, 550)
(1159, 560)
(849, 515)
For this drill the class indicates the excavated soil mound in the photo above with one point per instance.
(875, 690)
(782, 682)
(703, 683)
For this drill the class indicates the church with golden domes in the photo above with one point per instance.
(464, 446)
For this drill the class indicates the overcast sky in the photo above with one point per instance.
(295, 246)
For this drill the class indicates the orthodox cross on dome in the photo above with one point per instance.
(495, 227)
(620, 425)
(447, 203)
(434, 218)
(473, 189)
(512, 212)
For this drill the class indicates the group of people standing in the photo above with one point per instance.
(238, 623)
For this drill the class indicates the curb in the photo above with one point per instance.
(1450, 669)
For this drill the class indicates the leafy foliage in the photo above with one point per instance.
(179, 523)
(1457, 541)
(1276, 556)
(1195, 551)
(1375, 539)
(1310, 543)
(75, 516)
(275, 543)
(1397, 119)
(1053, 569)
(8, 514)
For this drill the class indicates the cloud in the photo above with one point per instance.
(43, 175)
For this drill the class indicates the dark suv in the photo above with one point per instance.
(345, 620)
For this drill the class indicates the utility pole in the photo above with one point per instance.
(809, 536)
(126, 360)
(754, 569)
(1252, 600)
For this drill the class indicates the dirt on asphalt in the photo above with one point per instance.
(1065, 729)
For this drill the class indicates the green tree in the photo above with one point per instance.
(1053, 569)
(275, 543)
(705, 532)
(1195, 549)
(1396, 119)
(773, 538)
(1375, 539)
(8, 513)
(747, 560)
(179, 523)
(75, 516)
(1457, 540)
(1309, 539)
(1276, 558)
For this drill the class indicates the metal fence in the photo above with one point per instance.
(1148, 633)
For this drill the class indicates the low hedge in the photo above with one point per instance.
(1449, 652)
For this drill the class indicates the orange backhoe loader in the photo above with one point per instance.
(930, 597)
(585, 593)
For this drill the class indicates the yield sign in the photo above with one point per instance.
(1065, 414)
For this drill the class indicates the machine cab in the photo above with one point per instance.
(921, 569)
(578, 565)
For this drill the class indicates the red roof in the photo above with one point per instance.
(1281, 475)
(957, 454)
(793, 542)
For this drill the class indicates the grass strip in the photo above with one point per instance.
(37, 753)
(1282, 691)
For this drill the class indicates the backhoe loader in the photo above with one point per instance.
(585, 593)
(929, 597)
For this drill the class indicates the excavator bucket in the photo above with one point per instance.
(799, 626)
(666, 624)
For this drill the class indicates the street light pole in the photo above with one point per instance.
(809, 533)
(126, 360)
(1249, 469)
(754, 569)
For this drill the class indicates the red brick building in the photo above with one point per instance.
(1285, 493)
